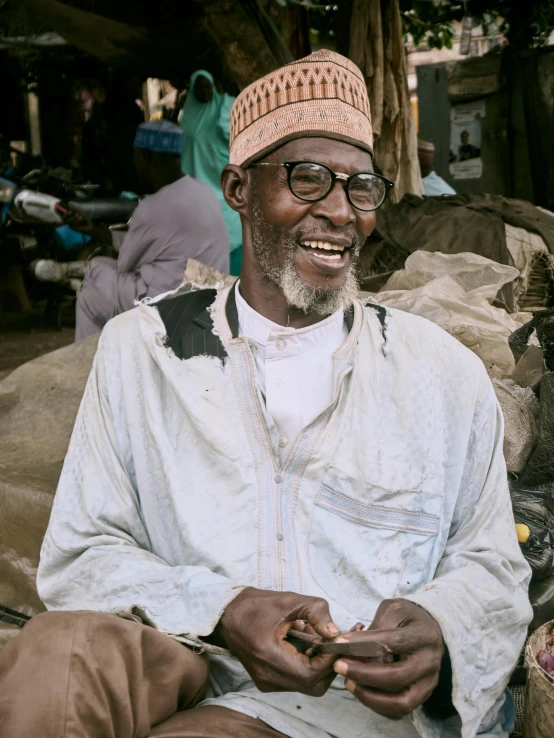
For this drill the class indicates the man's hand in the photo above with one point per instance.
(395, 689)
(254, 627)
(79, 222)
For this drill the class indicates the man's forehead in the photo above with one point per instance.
(338, 155)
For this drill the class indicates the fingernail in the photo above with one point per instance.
(341, 667)
(332, 628)
(349, 684)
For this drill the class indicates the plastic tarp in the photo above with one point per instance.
(539, 470)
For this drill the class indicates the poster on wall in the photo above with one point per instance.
(465, 140)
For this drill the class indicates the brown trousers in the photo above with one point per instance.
(89, 675)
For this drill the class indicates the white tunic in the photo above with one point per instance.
(173, 497)
(294, 368)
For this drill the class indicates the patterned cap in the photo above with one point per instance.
(323, 94)
(159, 135)
(425, 147)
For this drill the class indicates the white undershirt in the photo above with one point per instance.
(294, 368)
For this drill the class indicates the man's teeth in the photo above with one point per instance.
(329, 257)
(325, 246)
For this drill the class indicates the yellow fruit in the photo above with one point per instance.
(523, 532)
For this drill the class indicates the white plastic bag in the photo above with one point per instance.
(453, 291)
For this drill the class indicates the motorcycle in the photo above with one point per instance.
(51, 257)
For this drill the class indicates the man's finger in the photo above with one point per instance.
(316, 611)
(395, 676)
(314, 688)
(302, 666)
(322, 662)
(299, 673)
(397, 640)
(393, 705)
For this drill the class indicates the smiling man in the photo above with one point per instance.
(279, 456)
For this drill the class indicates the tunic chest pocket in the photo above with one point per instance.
(361, 553)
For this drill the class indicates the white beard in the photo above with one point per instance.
(300, 294)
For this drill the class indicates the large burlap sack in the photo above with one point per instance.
(38, 406)
(540, 468)
(455, 291)
(519, 407)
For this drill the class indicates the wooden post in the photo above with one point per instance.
(33, 118)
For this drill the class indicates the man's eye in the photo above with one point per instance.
(308, 179)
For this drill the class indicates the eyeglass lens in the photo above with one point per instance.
(313, 182)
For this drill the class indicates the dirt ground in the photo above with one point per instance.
(24, 336)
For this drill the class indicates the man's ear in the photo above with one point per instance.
(235, 185)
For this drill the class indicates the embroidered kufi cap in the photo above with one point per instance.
(323, 94)
(159, 135)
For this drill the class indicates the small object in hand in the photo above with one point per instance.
(546, 662)
(59, 208)
(365, 650)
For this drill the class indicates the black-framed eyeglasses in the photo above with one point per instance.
(311, 181)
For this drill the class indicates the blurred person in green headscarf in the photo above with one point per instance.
(205, 125)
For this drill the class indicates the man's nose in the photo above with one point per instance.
(335, 207)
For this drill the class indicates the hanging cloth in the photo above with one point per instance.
(205, 129)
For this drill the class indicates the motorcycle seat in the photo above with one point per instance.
(107, 209)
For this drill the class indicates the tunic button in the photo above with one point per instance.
(283, 441)
(280, 536)
(278, 479)
(281, 345)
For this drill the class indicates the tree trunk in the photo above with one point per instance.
(376, 46)
(246, 37)
(233, 39)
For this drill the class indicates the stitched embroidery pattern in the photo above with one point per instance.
(378, 515)
(256, 432)
(295, 468)
(293, 474)
(323, 94)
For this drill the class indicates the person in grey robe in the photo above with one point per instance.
(181, 220)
